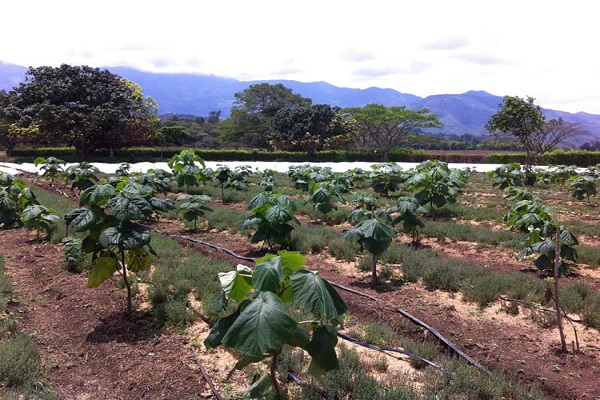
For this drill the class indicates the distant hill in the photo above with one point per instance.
(200, 94)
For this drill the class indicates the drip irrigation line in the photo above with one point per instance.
(404, 313)
(406, 353)
(212, 387)
(213, 246)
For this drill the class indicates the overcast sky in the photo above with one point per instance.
(545, 49)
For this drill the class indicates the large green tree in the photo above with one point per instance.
(520, 118)
(84, 107)
(253, 112)
(386, 126)
(311, 128)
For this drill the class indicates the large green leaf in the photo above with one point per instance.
(126, 236)
(278, 215)
(218, 330)
(260, 389)
(322, 351)
(236, 284)
(316, 295)
(377, 230)
(138, 260)
(83, 219)
(268, 275)
(97, 195)
(264, 325)
(290, 261)
(129, 208)
(104, 268)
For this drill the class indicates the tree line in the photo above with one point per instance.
(89, 108)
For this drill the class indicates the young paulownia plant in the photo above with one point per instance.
(115, 241)
(261, 323)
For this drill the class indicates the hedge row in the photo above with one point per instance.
(559, 157)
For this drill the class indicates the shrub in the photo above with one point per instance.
(19, 361)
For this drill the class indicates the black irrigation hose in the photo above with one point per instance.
(414, 319)
(189, 239)
(406, 353)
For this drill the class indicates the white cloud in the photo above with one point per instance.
(545, 49)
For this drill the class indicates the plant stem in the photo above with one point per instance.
(126, 283)
(274, 376)
(563, 342)
(374, 281)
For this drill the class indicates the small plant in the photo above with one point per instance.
(374, 235)
(114, 239)
(40, 218)
(51, 167)
(386, 178)
(261, 323)
(193, 207)
(409, 210)
(507, 175)
(322, 195)
(72, 252)
(186, 170)
(583, 187)
(82, 176)
(272, 215)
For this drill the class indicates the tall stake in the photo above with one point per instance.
(563, 342)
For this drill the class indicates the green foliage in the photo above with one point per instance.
(193, 207)
(261, 323)
(271, 216)
(40, 218)
(434, 184)
(322, 195)
(113, 238)
(583, 187)
(386, 178)
(84, 107)
(72, 251)
(520, 118)
(51, 166)
(386, 126)
(15, 196)
(82, 175)
(507, 175)
(19, 361)
(409, 209)
(185, 169)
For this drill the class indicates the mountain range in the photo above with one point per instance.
(465, 113)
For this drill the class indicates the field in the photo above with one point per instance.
(460, 279)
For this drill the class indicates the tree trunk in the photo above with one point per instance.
(129, 306)
(374, 280)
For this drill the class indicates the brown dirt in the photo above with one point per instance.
(91, 350)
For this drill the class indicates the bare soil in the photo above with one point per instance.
(92, 350)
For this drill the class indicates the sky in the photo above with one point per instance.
(544, 49)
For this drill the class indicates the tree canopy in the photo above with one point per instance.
(84, 107)
(385, 126)
(311, 128)
(254, 109)
(520, 118)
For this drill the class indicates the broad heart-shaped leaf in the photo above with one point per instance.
(264, 325)
(97, 195)
(373, 246)
(83, 219)
(568, 253)
(260, 389)
(129, 208)
(236, 284)
(377, 230)
(258, 201)
(316, 295)
(104, 268)
(126, 236)
(290, 260)
(218, 330)
(543, 247)
(268, 275)
(322, 351)
(138, 260)
(279, 215)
